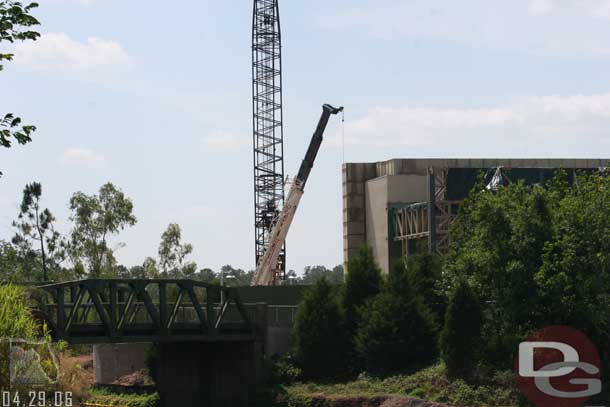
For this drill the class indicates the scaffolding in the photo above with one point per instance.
(429, 220)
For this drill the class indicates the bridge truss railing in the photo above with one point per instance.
(145, 310)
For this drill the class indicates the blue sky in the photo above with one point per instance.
(155, 97)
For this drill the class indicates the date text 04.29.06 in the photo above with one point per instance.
(37, 399)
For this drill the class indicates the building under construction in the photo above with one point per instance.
(405, 206)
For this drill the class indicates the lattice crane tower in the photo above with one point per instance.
(268, 134)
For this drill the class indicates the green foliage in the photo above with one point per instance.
(17, 266)
(96, 217)
(312, 274)
(425, 272)
(320, 340)
(107, 397)
(461, 335)
(172, 253)
(432, 384)
(15, 318)
(15, 23)
(235, 277)
(537, 256)
(362, 282)
(35, 228)
(397, 330)
(283, 369)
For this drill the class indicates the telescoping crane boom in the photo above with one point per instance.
(267, 271)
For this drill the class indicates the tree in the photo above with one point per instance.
(312, 274)
(15, 23)
(18, 265)
(96, 217)
(362, 282)
(206, 275)
(536, 256)
(396, 330)
(425, 271)
(461, 335)
(35, 226)
(497, 245)
(235, 277)
(172, 253)
(320, 337)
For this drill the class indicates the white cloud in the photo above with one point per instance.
(558, 27)
(529, 125)
(58, 52)
(221, 141)
(540, 7)
(81, 157)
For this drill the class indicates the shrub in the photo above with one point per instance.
(283, 370)
(15, 322)
(362, 282)
(320, 340)
(461, 335)
(15, 318)
(397, 330)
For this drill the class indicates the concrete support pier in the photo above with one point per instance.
(114, 360)
(214, 374)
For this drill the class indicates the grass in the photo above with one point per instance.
(430, 384)
(106, 397)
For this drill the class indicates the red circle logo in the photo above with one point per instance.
(558, 366)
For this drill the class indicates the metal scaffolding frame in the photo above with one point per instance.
(416, 220)
(268, 134)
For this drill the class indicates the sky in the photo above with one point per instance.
(155, 97)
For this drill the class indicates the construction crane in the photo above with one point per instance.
(268, 271)
(268, 137)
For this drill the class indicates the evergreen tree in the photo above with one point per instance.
(320, 340)
(362, 282)
(397, 330)
(461, 335)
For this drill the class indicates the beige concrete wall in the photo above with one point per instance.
(407, 188)
(376, 205)
(354, 219)
(379, 193)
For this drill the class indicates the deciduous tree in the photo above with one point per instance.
(172, 253)
(15, 25)
(96, 218)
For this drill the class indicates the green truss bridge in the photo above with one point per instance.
(156, 310)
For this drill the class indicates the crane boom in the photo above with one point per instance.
(267, 269)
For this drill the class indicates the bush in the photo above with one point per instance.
(397, 330)
(16, 321)
(362, 282)
(461, 335)
(107, 397)
(283, 370)
(320, 340)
